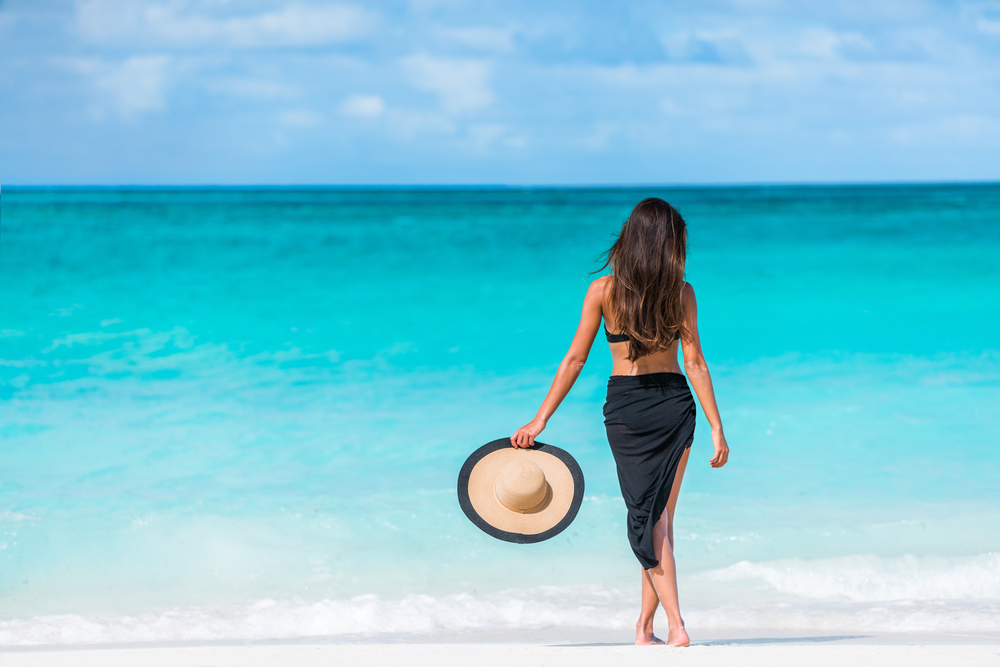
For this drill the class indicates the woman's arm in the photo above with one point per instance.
(697, 372)
(569, 369)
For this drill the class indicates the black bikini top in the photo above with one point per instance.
(615, 338)
(623, 338)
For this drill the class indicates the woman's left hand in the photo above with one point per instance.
(721, 449)
(524, 437)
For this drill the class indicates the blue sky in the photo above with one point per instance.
(226, 91)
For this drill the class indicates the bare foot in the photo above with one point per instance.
(678, 636)
(644, 635)
(642, 639)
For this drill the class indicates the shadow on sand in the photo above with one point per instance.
(745, 641)
(779, 640)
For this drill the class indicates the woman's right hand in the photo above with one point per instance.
(524, 437)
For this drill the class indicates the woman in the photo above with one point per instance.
(649, 413)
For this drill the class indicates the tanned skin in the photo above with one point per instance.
(659, 584)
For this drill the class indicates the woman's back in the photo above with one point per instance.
(663, 361)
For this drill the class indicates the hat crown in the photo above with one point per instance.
(521, 485)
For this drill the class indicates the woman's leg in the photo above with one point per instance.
(644, 628)
(664, 575)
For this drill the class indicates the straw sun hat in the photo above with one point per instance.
(520, 495)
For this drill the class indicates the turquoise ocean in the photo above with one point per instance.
(240, 413)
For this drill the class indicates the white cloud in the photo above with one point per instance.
(486, 39)
(7, 20)
(460, 84)
(959, 129)
(487, 136)
(989, 27)
(706, 46)
(831, 45)
(180, 23)
(483, 136)
(364, 106)
(250, 87)
(407, 124)
(129, 88)
(601, 135)
(300, 118)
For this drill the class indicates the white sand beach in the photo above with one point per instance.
(746, 648)
(765, 649)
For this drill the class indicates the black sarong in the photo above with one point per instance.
(650, 421)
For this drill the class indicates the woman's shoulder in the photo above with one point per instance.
(598, 287)
(596, 292)
(688, 299)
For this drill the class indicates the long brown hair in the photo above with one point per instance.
(647, 277)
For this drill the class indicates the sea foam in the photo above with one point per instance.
(857, 593)
(870, 578)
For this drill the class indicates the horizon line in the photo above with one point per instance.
(493, 186)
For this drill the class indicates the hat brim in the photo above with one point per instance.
(466, 503)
